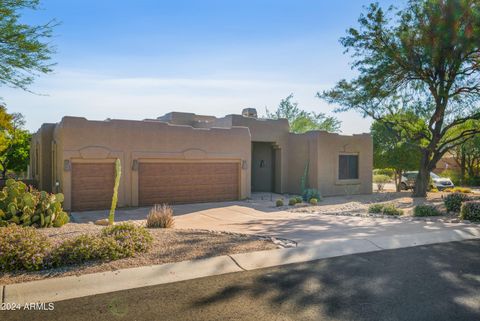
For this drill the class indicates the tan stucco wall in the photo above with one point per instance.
(81, 140)
(200, 138)
(330, 147)
(273, 131)
(41, 157)
(321, 150)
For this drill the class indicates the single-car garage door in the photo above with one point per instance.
(92, 186)
(176, 183)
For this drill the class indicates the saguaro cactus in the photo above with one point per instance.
(118, 173)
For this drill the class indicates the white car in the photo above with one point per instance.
(440, 183)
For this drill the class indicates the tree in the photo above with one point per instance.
(24, 50)
(14, 143)
(392, 147)
(424, 59)
(302, 121)
(467, 156)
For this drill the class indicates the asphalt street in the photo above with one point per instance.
(434, 282)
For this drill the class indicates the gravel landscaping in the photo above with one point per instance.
(170, 245)
(358, 206)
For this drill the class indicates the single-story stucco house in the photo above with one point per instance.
(188, 158)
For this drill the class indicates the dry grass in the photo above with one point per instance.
(160, 216)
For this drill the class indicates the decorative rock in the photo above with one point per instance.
(102, 222)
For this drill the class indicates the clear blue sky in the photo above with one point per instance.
(141, 59)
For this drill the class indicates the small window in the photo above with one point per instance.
(348, 167)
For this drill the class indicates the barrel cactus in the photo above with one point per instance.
(26, 206)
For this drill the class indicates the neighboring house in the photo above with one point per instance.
(187, 158)
(449, 162)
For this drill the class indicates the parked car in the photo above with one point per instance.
(440, 183)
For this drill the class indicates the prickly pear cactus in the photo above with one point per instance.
(29, 207)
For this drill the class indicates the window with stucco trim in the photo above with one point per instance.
(347, 167)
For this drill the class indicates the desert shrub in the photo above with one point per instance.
(380, 181)
(470, 210)
(465, 190)
(313, 201)
(28, 207)
(390, 209)
(298, 199)
(453, 202)
(472, 181)
(279, 202)
(426, 210)
(160, 216)
(84, 248)
(310, 193)
(292, 201)
(448, 190)
(23, 248)
(390, 172)
(130, 238)
(434, 190)
(375, 208)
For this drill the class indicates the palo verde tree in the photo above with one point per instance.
(25, 50)
(14, 143)
(393, 146)
(302, 121)
(423, 59)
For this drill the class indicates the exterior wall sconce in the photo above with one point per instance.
(67, 165)
(135, 165)
(244, 164)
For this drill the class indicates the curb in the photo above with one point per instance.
(58, 289)
(70, 287)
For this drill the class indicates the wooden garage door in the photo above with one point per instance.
(92, 186)
(176, 183)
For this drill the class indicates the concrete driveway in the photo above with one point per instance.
(259, 216)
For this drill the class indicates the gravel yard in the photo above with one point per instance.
(170, 245)
(357, 205)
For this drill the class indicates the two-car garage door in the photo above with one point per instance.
(176, 183)
(166, 182)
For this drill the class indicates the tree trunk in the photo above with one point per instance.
(423, 178)
(398, 180)
(462, 166)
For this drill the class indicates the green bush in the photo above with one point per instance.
(310, 193)
(292, 201)
(279, 202)
(114, 242)
(130, 238)
(470, 211)
(426, 210)
(380, 180)
(29, 207)
(453, 202)
(386, 209)
(375, 208)
(313, 201)
(390, 172)
(298, 199)
(390, 209)
(23, 248)
(454, 175)
(84, 248)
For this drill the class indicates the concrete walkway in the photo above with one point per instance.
(262, 218)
